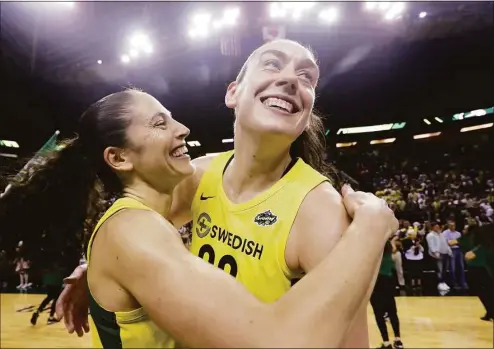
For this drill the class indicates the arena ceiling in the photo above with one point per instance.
(373, 69)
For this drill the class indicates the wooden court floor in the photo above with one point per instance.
(426, 322)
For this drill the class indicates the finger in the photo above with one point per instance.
(346, 189)
(70, 280)
(68, 318)
(59, 307)
(85, 326)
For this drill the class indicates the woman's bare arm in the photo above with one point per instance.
(202, 306)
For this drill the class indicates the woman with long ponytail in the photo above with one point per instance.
(145, 288)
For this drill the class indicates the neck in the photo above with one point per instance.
(157, 201)
(259, 163)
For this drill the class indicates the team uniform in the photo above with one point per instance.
(129, 329)
(248, 240)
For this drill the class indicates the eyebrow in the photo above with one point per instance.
(159, 115)
(306, 62)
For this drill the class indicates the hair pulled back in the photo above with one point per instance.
(310, 146)
(58, 199)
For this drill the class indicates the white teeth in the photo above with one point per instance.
(280, 103)
(180, 151)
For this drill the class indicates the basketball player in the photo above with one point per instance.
(267, 212)
(145, 286)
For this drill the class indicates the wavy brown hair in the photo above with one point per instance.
(53, 204)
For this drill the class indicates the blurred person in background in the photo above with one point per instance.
(383, 301)
(440, 251)
(4, 269)
(479, 256)
(52, 281)
(414, 255)
(398, 260)
(455, 261)
(22, 267)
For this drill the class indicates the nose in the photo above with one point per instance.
(182, 131)
(288, 80)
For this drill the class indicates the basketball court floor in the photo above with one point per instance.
(426, 322)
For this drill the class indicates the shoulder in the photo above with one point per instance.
(130, 225)
(319, 224)
(323, 198)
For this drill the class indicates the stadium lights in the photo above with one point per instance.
(426, 135)
(344, 145)
(476, 127)
(7, 155)
(438, 119)
(382, 141)
(9, 144)
(295, 10)
(202, 23)
(329, 15)
(422, 14)
(194, 143)
(427, 121)
(125, 59)
(139, 43)
(390, 9)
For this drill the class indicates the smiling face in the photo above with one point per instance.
(275, 91)
(156, 151)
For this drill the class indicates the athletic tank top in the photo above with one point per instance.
(123, 329)
(248, 240)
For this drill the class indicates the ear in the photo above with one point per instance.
(231, 95)
(117, 159)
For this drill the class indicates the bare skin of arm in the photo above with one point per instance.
(202, 306)
(319, 225)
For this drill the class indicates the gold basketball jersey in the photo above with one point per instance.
(129, 329)
(248, 240)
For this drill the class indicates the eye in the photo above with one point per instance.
(161, 123)
(307, 75)
(272, 63)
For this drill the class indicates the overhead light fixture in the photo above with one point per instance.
(227, 140)
(194, 143)
(125, 59)
(100, 61)
(7, 155)
(476, 127)
(422, 14)
(344, 145)
(382, 141)
(426, 135)
(438, 119)
(9, 144)
(427, 121)
(329, 15)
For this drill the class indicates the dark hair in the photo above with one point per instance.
(53, 204)
(311, 144)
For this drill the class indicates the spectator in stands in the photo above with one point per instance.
(414, 255)
(398, 261)
(440, 251)
(455, 261)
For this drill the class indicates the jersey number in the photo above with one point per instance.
(223, 262)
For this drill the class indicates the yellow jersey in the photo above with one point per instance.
(125, 329)
(248, 240)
